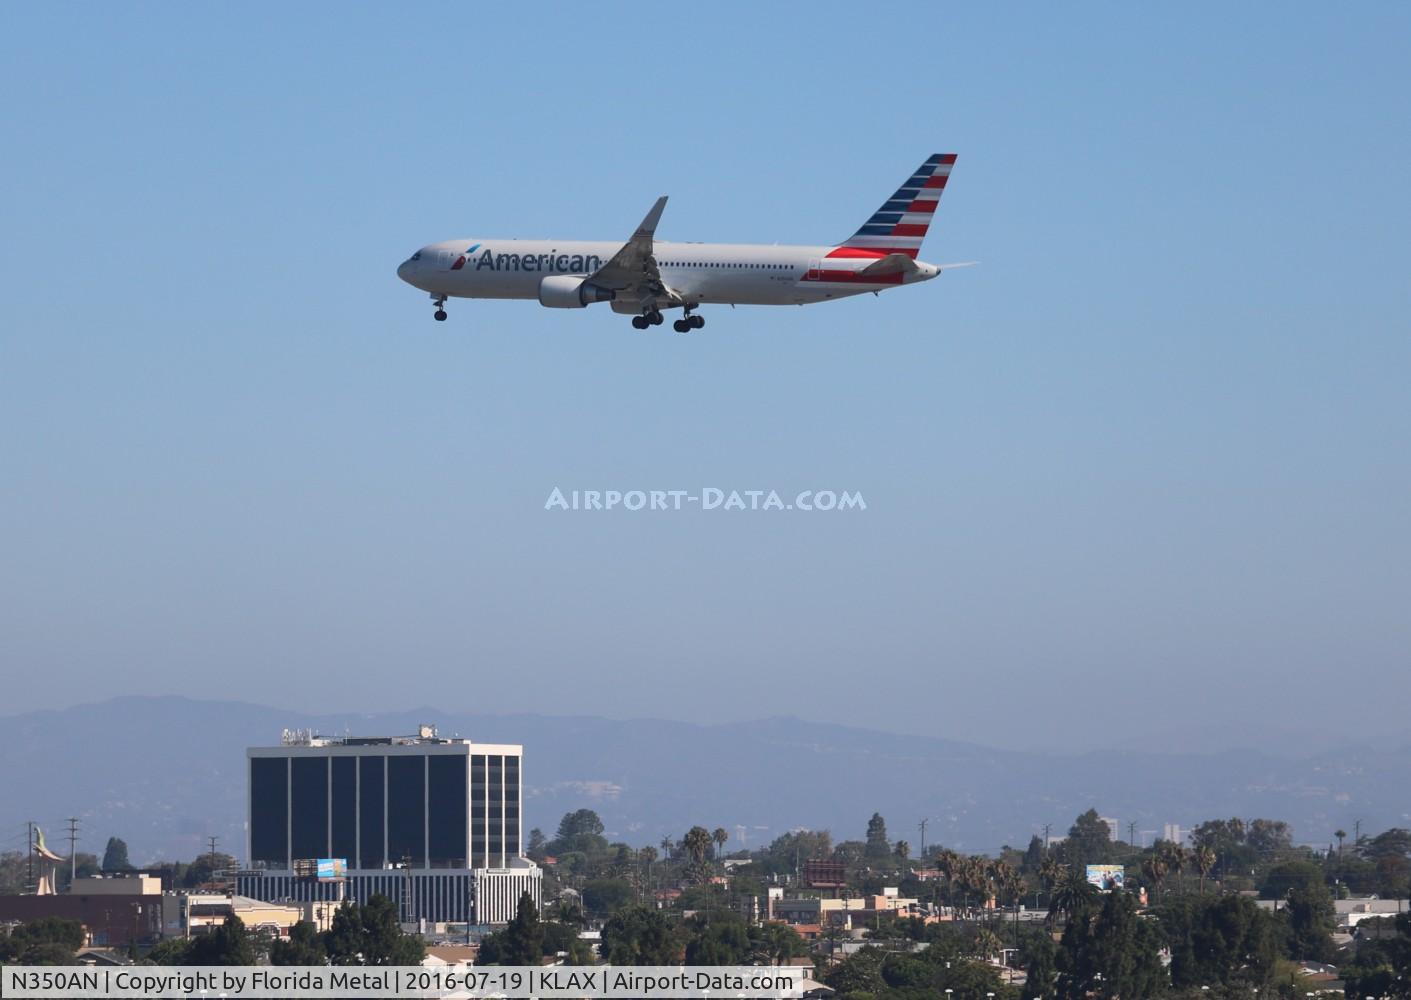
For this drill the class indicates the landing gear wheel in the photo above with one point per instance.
(640, 322)
(682, 326)
(655, 318)
(440, 315)
(697, 322)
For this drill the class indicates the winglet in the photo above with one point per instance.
(648, 227)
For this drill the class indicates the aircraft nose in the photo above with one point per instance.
(404, 270)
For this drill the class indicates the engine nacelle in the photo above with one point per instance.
(565, 291)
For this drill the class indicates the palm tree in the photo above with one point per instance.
(1204, 860)
(1050, 871)
(1173, 856)
(697, 843)
(666, 847)
(720, 837)
(987, 943)
(975, 877)
(1341, 835)
(1071, 895)
(1154, 868)
(948, 864)
(903, 850)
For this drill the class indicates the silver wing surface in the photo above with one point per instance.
(632, 271)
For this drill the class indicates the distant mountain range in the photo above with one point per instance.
(164, 773)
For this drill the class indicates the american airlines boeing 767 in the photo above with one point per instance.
(645, 275)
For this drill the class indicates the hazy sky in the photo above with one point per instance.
(1147, 463)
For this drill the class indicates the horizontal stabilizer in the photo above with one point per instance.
(893, 263)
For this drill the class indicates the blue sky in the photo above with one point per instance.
(1147, 463)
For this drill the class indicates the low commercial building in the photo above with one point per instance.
(195, 913)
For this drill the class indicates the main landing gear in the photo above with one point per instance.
(685, 324)
(440, 312)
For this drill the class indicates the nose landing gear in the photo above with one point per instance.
(440, 313)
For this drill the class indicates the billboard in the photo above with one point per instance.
(1107, 876)
(321, 869)
(332, 869)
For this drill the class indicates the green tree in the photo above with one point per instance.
(721, 942)
(878, 846)
(370, 934)
(303, 947)
(1154, 871)
(172, 951)
(639, 936)
(605, 896)
(228, 944)
(1267, 837)
(1071, 895)
(46, 941)
(1204, 860)
(1227, 940)
(1290, 875)
(1033, 856)
(697, 843)
(1395, 842)
(860, 975)
(1382, 964)
(721, 838)
(115, 856)
(563, 940)
(1172, 855)
(537, 843)
(1308, 912)
(204, 868)
(522, 940)
(774, 943)
(1039, 956)
(1110, 951)
(1089, 841)
(85, 866)
(580, 830)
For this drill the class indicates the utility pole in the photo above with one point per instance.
(1047, 826)
(1132, 834)
(211, 842)
(923, 837)
(1356, 833)
(73, 851)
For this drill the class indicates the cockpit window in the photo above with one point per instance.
(417, 255)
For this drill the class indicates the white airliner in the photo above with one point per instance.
(644, 275)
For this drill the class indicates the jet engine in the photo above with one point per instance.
(566, 291)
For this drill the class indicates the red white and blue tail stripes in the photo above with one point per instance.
(900, 224)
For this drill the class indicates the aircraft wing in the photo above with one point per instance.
(632, 271)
